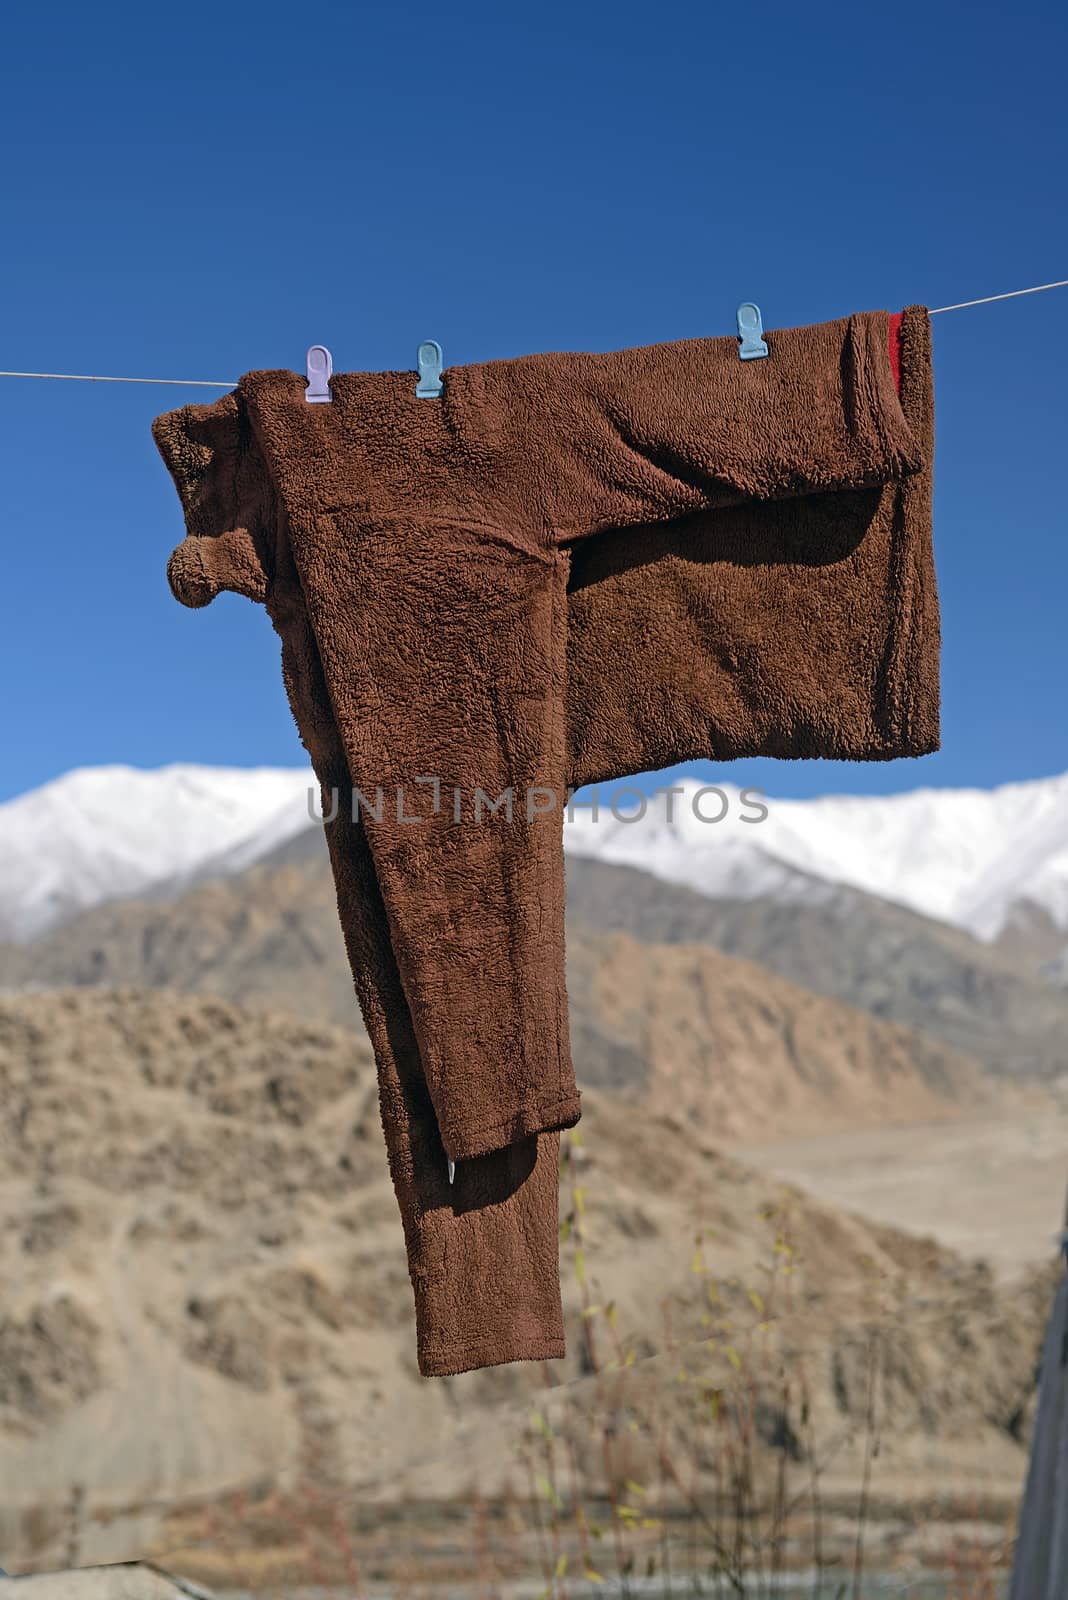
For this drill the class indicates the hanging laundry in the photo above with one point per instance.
(575, 568)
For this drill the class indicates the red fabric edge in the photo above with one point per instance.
(895, 348)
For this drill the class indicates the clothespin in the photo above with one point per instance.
(320, 368)
(429, 358)
(452, 1170)
(750, 332)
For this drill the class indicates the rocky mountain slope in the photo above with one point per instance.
(881, 958)
(206, 1286)
(270, 935)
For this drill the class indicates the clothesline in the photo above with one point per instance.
(217, 383)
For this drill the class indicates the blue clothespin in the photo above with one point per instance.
(320, 368)
(429, 358)
(750, 332)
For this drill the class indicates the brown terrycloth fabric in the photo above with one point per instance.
(483, 1252)
(800, 624)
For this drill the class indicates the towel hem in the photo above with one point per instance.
(447, 1360)
(536, 1116)
(896, 438)
(910, 710)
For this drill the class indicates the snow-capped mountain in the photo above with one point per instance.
(970, 857)
(100, 833)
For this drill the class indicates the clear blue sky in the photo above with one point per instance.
(199, 190)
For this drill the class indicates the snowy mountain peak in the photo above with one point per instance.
(970, 857)
(965, 856)
(99, 833)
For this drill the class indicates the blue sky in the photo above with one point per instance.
(201, 190)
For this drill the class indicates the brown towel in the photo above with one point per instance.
(433, 544)
(663, 627)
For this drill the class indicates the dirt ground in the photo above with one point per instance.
(993, 1187)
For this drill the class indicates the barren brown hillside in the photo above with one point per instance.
(207, 1287)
